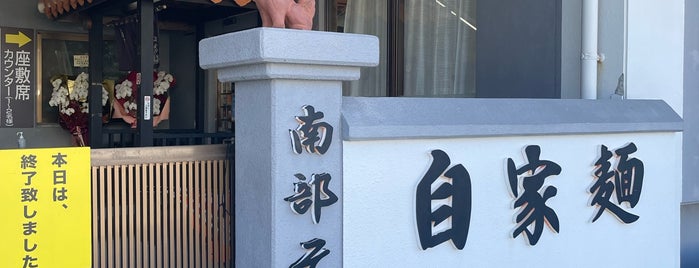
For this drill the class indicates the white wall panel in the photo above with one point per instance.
(380, 180)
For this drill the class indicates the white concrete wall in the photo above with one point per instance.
(656, 51)
(380, 180)
(656, 55)
(611, 45)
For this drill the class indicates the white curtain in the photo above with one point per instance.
(440, 47)
(368, 17)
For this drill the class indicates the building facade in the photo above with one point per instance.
(494, 49)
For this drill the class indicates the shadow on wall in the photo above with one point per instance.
(689, 237)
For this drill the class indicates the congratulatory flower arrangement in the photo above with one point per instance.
(126, 94)
(71, 99)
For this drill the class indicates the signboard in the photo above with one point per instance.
(545, 201)
(81, 61)
(46, 214)
(17, 98)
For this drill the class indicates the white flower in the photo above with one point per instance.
(81, 77)
(68, 111)
(82, 80)
(162, 83)
(56, 83)
(130, 106)
(80, 87)
(85, 107)
(161, 88)
(123, 89)
(105, 96)
(82, 93)
(58, 96)
(63, 92)
(156, 106)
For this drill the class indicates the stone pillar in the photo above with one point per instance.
(288, 95)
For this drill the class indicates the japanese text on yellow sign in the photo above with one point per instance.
(46, 208)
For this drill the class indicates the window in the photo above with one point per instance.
(64, 54)
(437, 48)
(427, 47)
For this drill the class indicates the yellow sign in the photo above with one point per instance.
(45, 208)
(20, 39)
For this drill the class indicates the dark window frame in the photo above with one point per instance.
(396, 48)
(395, 70)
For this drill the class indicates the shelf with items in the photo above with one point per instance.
(224, 107)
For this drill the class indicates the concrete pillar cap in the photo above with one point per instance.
(268, 53)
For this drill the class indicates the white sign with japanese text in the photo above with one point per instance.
(544, 201)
